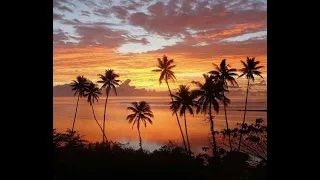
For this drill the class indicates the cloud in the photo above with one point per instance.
(204, 16)
(85, 13)
(244, 48)
(56, 16)
(143, 41)
(120, 12)
(58, 4)
(100, 36)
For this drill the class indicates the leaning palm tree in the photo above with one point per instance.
(250, 69)
(209, 93)
(92, 94)
(79, 86)
(109, 81)
(183, 100)
(224, 74)
(141, 113)
(165, 68)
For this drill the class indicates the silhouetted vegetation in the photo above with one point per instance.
(108, 81)
(79, 86)
(224, 74)
(141, 113)
(76, 158)
(184, 100)
(250, 69)
(165, 68)
(209, 93)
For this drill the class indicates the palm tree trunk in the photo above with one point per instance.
(244, 117)
(185, 126)
(75, 114)
(140, 141)
(94, 115)
(212, 130)
(184, 142)
(225, 114)
(104, 115)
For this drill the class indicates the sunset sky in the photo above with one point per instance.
(90, 36)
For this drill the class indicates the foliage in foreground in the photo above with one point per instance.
(76, 158)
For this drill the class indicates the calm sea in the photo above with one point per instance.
(164, 127)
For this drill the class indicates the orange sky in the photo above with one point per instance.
(68, 63)
(128, 36)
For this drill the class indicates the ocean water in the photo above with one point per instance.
(163, 128)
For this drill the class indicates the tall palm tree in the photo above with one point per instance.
(209, 93)
(109, 81)
(250, 69)
(141, 112)
(79, 86)
(92, 94)
(183, 100)
(224, 74)
(165, 68)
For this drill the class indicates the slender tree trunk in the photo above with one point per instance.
(104, 115)
(94, 115)
(184, 142)
(140, 141)
(185, 126)
(244, 116)
(212, 131)
(75, 114)
(225, 114)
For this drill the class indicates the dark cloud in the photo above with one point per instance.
(143, 41)
(56, 16)
(100, 36)
(120, 12)
(105, 12)
(57, 4)
(85, 13)
(79, 23)
(244, 48)
(59, 36)
(157, 9)
(203, 16)
(132, 5)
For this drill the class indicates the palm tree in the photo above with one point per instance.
(165, 67)
(141, 112)
(79, 86)
(92, 94)
(109, 81)
(208, 94)
(183, 100)
(224, 74)
(250, 69)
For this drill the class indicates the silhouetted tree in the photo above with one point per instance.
(250, 69)
(209, 93)
(79, 86)
(254, 138)
(183, 100)
(109, 81)
(165, 68)
(224, 74)
(141, 112)
(92, 94)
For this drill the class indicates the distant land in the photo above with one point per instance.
(125, 89)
